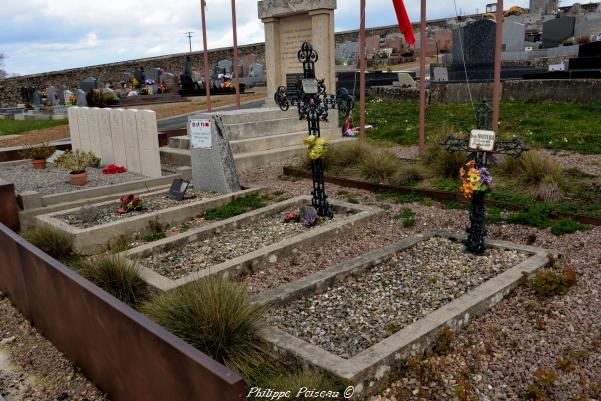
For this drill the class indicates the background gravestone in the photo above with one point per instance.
(139, 74)
(81, 98)
(52, 98)
(61, 94)
(88, 84)
(556, 30)
(213, 167)
(514, 36)
(440, 74)
(37, 98)
(154, 74)
(478, 40)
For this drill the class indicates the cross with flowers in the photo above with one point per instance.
(313, 104)
(476, 179)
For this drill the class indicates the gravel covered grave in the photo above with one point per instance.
(152, 203)
(368, 307)
(54, 180)
(218, 248)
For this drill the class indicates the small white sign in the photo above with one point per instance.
(200, 134)
(482, 140)
(310, 86)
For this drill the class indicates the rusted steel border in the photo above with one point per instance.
(436, 195)
(9, 210)
(124, 353)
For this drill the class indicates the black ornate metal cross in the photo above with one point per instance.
(477, 230)
(313, 104)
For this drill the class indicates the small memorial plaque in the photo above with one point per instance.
(178, 189)
(310, 86)
(482, 140)
(200, 134)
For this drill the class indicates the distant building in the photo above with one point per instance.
(543, 7)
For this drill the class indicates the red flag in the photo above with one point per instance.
(404, 24)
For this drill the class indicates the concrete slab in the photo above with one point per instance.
(370, 370)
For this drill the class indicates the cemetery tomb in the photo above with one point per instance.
(95, 234)
(234, 245)
(361, 319)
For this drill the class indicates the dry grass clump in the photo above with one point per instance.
(441, 164)
(117, 276)
(215, 315)
(344, 155)
(540, 175)
(54, 242)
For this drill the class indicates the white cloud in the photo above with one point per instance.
(42, 35)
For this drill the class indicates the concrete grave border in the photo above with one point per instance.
(253, 260)
(87, 241)
(370, 370)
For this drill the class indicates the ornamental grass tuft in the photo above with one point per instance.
(117, 276)
(50, 240)
(296, 382)
(379, 166)
(215, 315)
(440, 163)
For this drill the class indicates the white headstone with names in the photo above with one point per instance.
(94, 130)
(148, 143)
(74, 128)
(84, 131)
(130, 131)
(106, 139)
(482, 140)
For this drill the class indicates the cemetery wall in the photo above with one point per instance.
(124, 353)
(554, 90)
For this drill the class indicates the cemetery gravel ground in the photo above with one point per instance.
(497, 355)
(31, 369)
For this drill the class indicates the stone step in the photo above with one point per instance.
(245, 160)
(277, 141)
(252, 115)
(264, 128)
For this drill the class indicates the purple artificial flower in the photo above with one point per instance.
(485, 177)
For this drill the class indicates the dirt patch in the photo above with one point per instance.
(37, 136)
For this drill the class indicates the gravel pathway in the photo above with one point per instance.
(365, 309)
(31, 369)
(54, 180)
(203, 254)
(497, 355)
(152, 203)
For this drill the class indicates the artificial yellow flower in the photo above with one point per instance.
(310, 140)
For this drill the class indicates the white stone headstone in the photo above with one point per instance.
(118, 138)
(94, 130)
(72, 113)
(84, 130)
(148, 144)
(106, 139)
(441, 74)
(130, 132)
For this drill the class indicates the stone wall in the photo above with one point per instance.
(560, 90)
(10, 89)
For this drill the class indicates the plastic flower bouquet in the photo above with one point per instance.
(473, 179)
(317, 147)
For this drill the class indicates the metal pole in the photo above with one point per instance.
(362, 68)
(203, 4)
(422, 81)
(496, 91)
(236, 65)
(189, 34)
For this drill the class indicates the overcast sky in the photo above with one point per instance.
(49, 35)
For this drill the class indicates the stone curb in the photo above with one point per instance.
(370, 370)
(263, 256)
(87, 241)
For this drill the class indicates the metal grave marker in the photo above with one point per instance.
(482, 140)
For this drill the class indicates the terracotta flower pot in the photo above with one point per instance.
(39, 164)
(80, 179)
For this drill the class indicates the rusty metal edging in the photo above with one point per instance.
(123, 352)
(436, 195)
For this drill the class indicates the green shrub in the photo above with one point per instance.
(155, 232)
(236, 207)
(535, 215)
(216, 316)
(547, 283)
(50, 240)
(379, 166)
(37, 152)
(409, 222)
(117, 276)
(566, 226)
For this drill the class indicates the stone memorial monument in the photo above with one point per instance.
(288, 24)
(213, 167)
(52, 98)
